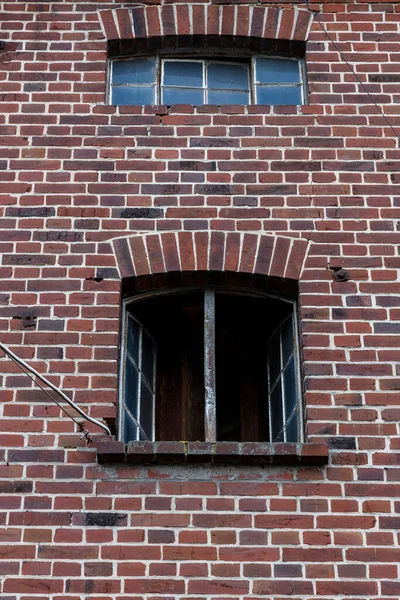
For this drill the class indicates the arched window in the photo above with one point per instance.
(206, 54)
(200, 80)
(210, 361)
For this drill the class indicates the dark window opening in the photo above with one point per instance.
(215, 45)
(211, 364)
(175, 322)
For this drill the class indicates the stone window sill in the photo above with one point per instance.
(240, 453)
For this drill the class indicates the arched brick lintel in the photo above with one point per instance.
(265, 22)
(261, 254)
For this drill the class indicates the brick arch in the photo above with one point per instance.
(276, 256)
(265, 22)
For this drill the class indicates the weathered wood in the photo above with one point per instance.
(210, 412)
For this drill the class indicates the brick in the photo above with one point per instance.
(284, 521)
(279, 258)
(123, 23)
(95, 199)
(249, 248)
(155, 586)
(107, 18)
(170, 251)
(126, 552)
(264, 255)
(347, 587)
(247, 554)
(139, 22)
(28, 586)
(68, 552)
(168, 20)
(218, 586)
(277, 586)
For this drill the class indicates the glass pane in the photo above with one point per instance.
(133, 338)
(278, 94)
(131, 387)
(292, 429)
(183, 74)
(276, 415)
(277, 70)
(274, 359)
(133, 95)
(223, 97)
(289, 380)
(287, 340)
(227, 76)
(130, 429)
(182, 96)
(148, 358)
(146, 412)
(140, 70)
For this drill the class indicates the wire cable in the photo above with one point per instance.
(351, 68)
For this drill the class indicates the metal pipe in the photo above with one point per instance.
(21, 362)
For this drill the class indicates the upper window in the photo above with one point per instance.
(210, 364)
(158, 80)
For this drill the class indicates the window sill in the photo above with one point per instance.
(244, 453)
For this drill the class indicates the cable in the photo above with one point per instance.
(351, 68)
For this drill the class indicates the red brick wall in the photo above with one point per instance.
(76, 174)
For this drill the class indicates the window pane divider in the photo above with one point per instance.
(139, 427)
(210, 409)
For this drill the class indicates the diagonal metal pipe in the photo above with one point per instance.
(25, 365)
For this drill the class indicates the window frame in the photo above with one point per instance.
(210, 399)
(177, 56)
(141, 376)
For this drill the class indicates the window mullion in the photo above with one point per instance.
(205, 81)
(139, 380)
(252, 81)
(159, 79)
(210, 412)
